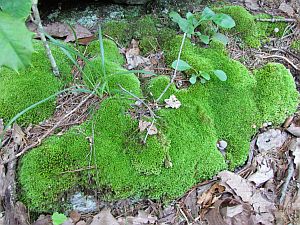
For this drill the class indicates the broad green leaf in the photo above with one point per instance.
(15, 42)
(221, 75)
(184, 24)
(202, 80)
(204, 38)
(221, 38)
(182, 65)
(205, 75)
(207, 14)
(16, 8)
(58, 218)
(193, 79)
(191, 19)
(224, 20)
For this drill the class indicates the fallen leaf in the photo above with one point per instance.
(294, 130)
(248, 193)
(144, 218)
(75, 216)
(104, 218)
(58, 30)
(209, 197)
(287, 9)
(271, 139)
(172, 102)
(81, 32)
(151, 128)
(252, 4)
(263, 174)
(18, 135)
(133, 57)
(295, 148)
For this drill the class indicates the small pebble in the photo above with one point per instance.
(276, 30)
(221, 145)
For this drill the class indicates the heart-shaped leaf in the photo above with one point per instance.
(193, 79)
(223, 20)
(221, 75)
(185, 25)
(181, 65)
(221, 38)
(204, 38)
(15, 42)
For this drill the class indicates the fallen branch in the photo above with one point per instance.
(148, 130)
(287, 181)
(79, 170)
(280, 57)
(274, 20)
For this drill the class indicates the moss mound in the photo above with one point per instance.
(186, 136)
(30, 85)
(295, 46)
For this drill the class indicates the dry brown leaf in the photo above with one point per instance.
(81, 32)
(104, 218)
(133, 57)
(151, 128)
(172, 102)
(287, 9)
(144, 218)
(252, 4)
(295, 148)
(209, 197)
(75, 216)
(263, 174)
(294, 130)
(248, 193)
(18, 135)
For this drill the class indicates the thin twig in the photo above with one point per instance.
(140, 100)
(175, 71)
(40, 30)
(280, 57)
(287, 181)
(185, 217)
(274, 20)
(111, 38)
(52, 129)
(78, 170)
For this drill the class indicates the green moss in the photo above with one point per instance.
(119, 30)
(111, 52)
(245, 24)
(158, 84)
(296, 46)
(270, 80)
(33, 84)
(187, 136)
(267, 29)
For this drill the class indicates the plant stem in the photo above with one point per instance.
(37, 21)
(175, 71)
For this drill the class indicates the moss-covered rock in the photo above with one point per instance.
(31, 85)
(186, 136)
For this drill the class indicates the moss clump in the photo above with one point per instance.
(296, 46)
(245, 24)
(187, 136)
(143, 29)
(267, 29)
(30, 85)
(270, 80)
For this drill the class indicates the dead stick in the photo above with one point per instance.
(43, 38)
(287, 181)
(148, 130)
(78, 170)
(280, 57)
(274, 20)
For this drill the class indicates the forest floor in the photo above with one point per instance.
(263, 191)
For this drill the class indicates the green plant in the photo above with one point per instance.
(15, 39)
(58, 218)
(203, 75)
